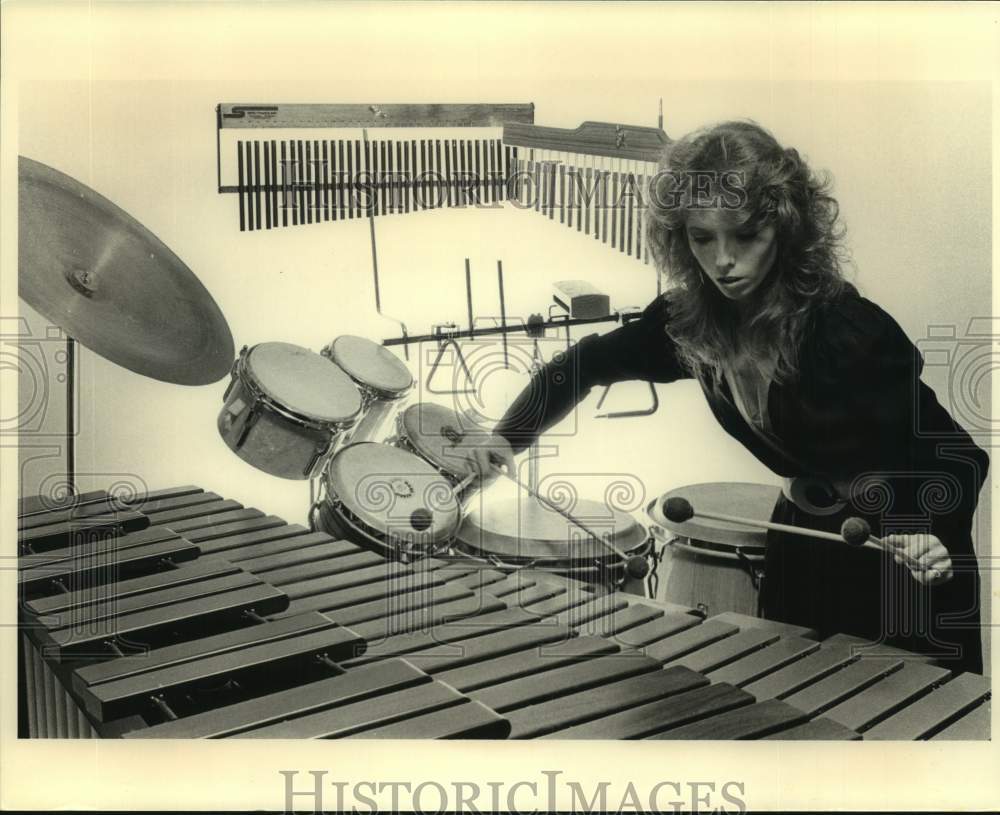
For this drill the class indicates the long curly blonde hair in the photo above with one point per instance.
(739, 165)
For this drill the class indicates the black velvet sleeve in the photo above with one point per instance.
(872, 418)
(637, 350)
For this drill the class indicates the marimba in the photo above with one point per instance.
(186, 615)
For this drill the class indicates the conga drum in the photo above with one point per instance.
(524, 533)
(384, 382)
(387, 500)
(285, 408)
(716, 566)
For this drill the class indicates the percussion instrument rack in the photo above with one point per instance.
(446, 335)
(260, 628)
(312, 176)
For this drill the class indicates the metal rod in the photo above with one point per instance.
(503, 313)
(371, 229)
(568, 516)
(71, 414)
(218, 146)
(165, 708)
(493, 330)
(468, 294)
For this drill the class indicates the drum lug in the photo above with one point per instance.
(310, 468)
(251, 420)
(756, 574)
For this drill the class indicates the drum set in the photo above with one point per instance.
(394, 477)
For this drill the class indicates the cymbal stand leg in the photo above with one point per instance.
(71, 414)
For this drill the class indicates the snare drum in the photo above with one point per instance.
(524, 533)
(714, 565)
(284, 409)
(384, 381)
(440, 436)
(386, 499)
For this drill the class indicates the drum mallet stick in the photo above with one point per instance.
(636, 565)
(854, 530)
(421, 518)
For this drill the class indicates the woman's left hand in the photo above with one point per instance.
(924, 555)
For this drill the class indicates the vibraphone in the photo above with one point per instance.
(186, 615)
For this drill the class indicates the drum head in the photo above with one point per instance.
(304, 382)
(525, 529)
(754, 501)
(371, 364)
(382, 486)
(440, 435)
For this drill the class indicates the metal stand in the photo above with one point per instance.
(71, 353)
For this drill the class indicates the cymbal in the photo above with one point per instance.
(101, 276)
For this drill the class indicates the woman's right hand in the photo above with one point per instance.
(489, 457)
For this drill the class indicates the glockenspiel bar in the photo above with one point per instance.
(826, 693)
(187, 573)
(933, 712)
(140, 626)
(861, 711)
(99, 567)
(335, 692)
(760, 663)
(748, 722)
(117, 698)
(467, 720)
(43, 504)
(726, 650)
(636, 722)
(821, 729)
(75, 532)
(259, 542)
(608, 698)
(972, 726)
(656, 629)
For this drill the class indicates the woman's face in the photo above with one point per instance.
(736, 258)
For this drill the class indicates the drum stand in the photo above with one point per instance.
(755, 572)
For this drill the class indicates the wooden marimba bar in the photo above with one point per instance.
(186, 615)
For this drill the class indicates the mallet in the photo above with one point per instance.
(854, 531)
(421, 518)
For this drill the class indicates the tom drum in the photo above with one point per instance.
(285, 408)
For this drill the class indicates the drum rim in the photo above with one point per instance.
(719, 550)
(330, 352)
(599, 552)
(253, 384)
(335, 497)
(406, 441)
(654, 513)
(601, 561)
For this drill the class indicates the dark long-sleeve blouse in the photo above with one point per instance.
(857, 411)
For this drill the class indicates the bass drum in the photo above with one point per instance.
(387, 500)
(524, 533)
(715, 566)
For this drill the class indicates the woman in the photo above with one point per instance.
(820, 384)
